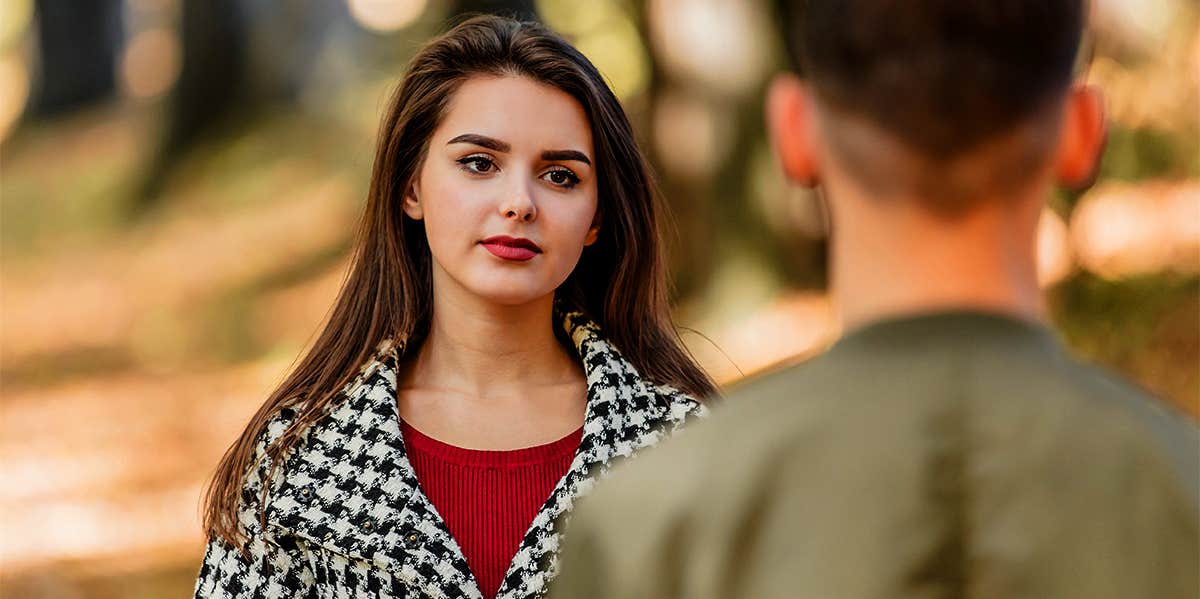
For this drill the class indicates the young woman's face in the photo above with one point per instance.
(507, 190)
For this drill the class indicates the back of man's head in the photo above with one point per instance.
(945, 80)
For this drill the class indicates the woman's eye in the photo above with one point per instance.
(477, 164)
(562, 178)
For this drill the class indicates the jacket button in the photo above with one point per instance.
(412, 538)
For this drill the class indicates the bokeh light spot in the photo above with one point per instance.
(151, 62)
(386, 16)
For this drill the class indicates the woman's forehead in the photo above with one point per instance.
(519, 111)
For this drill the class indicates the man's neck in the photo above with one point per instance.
(892, 258)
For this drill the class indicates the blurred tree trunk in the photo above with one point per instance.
(212, 80)
(688, 225)
(715, 214)
(78, 42)
(213, 73)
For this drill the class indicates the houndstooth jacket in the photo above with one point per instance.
(345, 516)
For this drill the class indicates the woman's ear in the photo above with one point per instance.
(1082, 139)
(594, 231)
(412, 203)
(790, 124)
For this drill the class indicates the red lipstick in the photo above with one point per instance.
(511, 248)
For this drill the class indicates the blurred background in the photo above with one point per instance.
(179, 181)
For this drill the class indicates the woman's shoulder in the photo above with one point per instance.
(380, 363)
(273, 430)
(679, 407)
(611, 375)
(277, 424)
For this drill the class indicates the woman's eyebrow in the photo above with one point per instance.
(482, 141)
(566, 155)
(494, 144)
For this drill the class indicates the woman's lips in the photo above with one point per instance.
(511, 248)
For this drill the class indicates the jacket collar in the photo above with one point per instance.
(349, 487)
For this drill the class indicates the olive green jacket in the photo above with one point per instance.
(948, 455)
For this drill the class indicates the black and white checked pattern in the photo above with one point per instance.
(347, 518)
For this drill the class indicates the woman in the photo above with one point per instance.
(503, 335)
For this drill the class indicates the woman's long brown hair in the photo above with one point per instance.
(620, 281)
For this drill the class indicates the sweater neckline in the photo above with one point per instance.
(417, 441)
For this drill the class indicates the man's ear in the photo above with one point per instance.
(412, 203)
(1082, 139)
(791, 125)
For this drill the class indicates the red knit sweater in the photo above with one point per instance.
(488, 498)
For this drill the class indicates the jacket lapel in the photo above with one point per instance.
(350, 488)
(624, 413)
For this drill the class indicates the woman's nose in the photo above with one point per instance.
(518, 205)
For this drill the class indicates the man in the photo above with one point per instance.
(947, 446)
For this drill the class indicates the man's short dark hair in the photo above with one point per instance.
(942, 76)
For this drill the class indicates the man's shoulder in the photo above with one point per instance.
(1094, 409)
(810, 445)
(746, 428)
(830, 405)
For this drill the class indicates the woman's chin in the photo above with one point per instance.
(511, 295)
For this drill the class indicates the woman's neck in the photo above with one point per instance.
(492, 351)
(492, 376)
